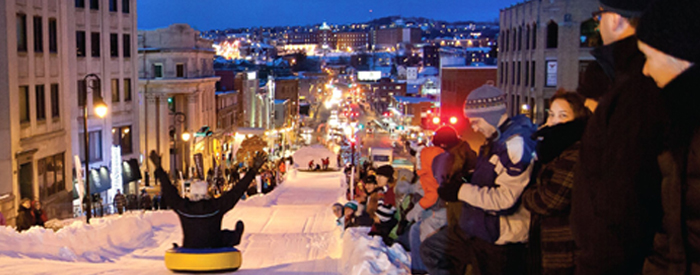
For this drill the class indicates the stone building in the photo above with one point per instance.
(177, 89)
(543, 46)
(49, 47)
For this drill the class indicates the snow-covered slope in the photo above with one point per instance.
(316, 153)
(291, 230)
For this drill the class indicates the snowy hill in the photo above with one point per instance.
(291, 230)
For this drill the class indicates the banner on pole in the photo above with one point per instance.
(199, 164)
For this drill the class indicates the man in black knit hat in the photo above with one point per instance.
(616, 199)
(669, 37)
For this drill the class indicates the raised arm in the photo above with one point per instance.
(170, 194)
(229, 199)
(513, 175)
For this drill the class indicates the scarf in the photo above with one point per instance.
(553, 140)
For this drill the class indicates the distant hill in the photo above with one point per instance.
(388, 20)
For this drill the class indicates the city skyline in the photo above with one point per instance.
(269, 13)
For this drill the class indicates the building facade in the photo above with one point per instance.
(248, 85)
(49, 48)
(382, 93)
(390, 38)
(176, 89)
(287, 89)
(227, 110)
(352, 41)
(431, 56)
(544, 45)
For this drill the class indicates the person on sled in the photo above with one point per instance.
(200, 215)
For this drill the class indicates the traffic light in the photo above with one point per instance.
(453, 120)
(436, 120)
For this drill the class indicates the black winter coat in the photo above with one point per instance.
(25, 219)
(677, 245)
(616, 204)
(201, 220)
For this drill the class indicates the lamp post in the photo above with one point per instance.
(178, 118)
(186, 138)
(100, 111)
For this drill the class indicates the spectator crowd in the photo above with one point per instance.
(607, 185)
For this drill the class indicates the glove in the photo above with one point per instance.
(259, 159)
(415, 215)
(449, 191)
(155, 158)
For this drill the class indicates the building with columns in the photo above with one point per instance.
(49, 47)
(177, 89)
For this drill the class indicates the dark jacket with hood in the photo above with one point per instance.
(616, 204)
(201, 220)
(492, 209)
(456, 163)
(548, 197)
(677, 245)
(25, 218)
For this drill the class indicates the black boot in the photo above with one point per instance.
(239, 232)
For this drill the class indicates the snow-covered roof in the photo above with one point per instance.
(412, 89)
(226, 92)
(412, 100)
(428, 71)
(478, 49)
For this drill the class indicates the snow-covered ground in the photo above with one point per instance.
(291, 230)
(314, 152)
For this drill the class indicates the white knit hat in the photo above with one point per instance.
(198, 190)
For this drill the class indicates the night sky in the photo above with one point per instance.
(221, 14)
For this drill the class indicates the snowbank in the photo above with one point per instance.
(364, 254)
(101, 241)
(291, 230)
(316, 153)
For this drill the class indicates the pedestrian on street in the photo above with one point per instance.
(157, 205)
(668, 37)
(97, 207)
(548, 197)
(38, 214)
(616, 205)
(146, 202)
(119, 202)
(3, 222)
(493, 226)
(25, 219)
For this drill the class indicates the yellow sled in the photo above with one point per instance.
(203, 260)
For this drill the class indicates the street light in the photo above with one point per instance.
(453, 120)
(178, 119)
(100, 111)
